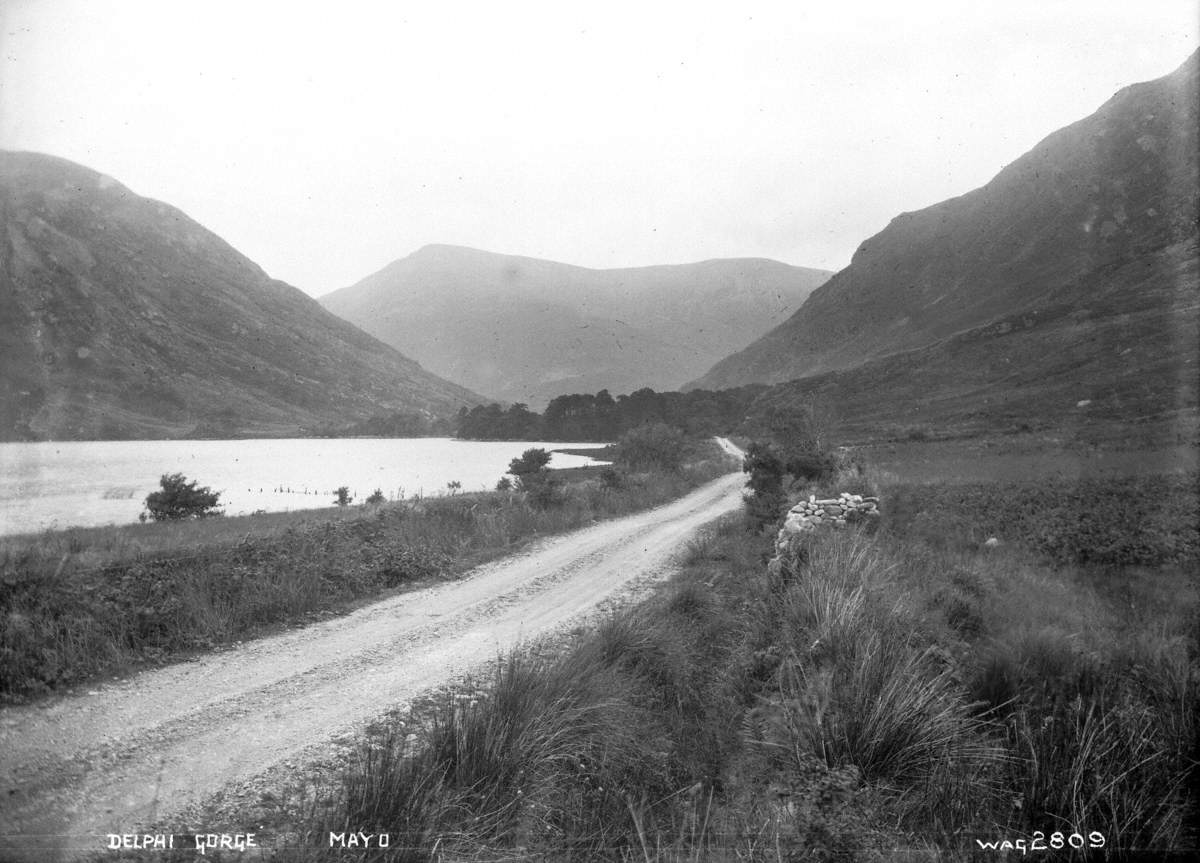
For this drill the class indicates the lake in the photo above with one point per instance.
(87, 483)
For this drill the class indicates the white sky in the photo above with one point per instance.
(325, 140)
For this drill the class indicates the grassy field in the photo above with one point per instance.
(907, 694)
(1022, 458)
(78, 604)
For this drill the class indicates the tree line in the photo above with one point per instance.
(394, 424)
(601, 417)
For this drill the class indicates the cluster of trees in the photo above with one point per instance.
(586, 417)
(801, 425)
(797, 427)
(653, 446)
(491, 422)
(793, 425)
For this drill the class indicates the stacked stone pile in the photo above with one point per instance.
(809, 515)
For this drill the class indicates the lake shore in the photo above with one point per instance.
(79, 484)
(101, 601)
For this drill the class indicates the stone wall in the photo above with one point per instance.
(812, 514)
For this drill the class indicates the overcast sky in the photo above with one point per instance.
(325, 140)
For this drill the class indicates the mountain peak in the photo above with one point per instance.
(27, 169)
(525, 330)
(122, 317)
(449, 249)
(1116, 187)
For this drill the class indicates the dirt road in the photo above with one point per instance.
(130, 753)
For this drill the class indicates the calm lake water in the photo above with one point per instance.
(88, 483)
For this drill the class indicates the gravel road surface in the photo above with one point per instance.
(124, 755)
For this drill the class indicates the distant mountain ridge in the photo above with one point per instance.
(1076, 222)
(522, 329)
(120, 317)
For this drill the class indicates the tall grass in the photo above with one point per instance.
(1129, 521)
(548, 752)
(604, 752)
(860, 686)
(1083, 657)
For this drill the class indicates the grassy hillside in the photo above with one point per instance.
(1125, 358)
(1069, 278)
(120, 317)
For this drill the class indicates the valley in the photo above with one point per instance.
(694, 647)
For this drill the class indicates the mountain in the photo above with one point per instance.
(120, 317)
(525, 330)
(1068, 283)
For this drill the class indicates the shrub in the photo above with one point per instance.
(343, 496)
(766, 482)
(765, 469)
(544, 491)
(412, 563)
(179, 499)
(533, 476)
(612, 479)
(531, 463)
(812, 466)
(376, 497)
(654, 446)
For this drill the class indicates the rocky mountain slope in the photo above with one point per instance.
(1067, 284)
(525, 330)
(120, 317)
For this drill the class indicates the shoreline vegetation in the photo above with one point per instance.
(911, 690)
(84, 603)
(992, 661)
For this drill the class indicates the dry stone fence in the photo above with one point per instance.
(812, 514)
